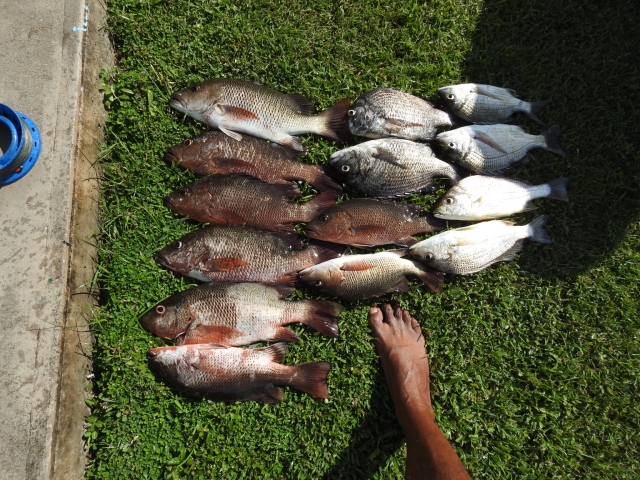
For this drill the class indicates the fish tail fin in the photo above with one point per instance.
(552, 140)
(323, 317)
(535, 108)
(537, 230)
(334, 124)
(324, 251)
(432, 279)
(311, 378)
(559, 189)
(319, 203)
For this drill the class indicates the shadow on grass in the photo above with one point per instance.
(582, 56)
(373, 441)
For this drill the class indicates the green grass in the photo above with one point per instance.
(535, 363)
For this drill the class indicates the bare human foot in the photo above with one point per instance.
(401, 346)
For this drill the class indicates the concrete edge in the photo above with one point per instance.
(68, 455)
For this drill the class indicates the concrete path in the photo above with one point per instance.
(49, 72)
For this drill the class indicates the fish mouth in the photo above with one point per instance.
(169, 203)
(312, 233)
(170, 156)
(176, 100)
(151, 355)
(161, 259)
(304, 273)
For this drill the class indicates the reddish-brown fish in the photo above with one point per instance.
(365, 222)
(243, 254)
(242, 200)
(237, 374)
(236, 314)
(217, 153)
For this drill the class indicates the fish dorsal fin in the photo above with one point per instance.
(275, 352)
(386, 156)
(486, 139)
(232, 134)
(283, 291)
(225, 264)
(303, 105)
(356, 265)
(290, 239)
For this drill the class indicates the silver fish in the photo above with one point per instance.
(479, 197)
(387, 112)
(240, 106)
(391, 167)
(477, 103)
(492, 148)
(355, 277)
(471, 249)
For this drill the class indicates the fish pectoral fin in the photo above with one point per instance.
(480, 89)
(236, 164)
(486, 139)
(234, 135)
(356, 266)
(386, 156)
(236, 114)
(394, 125)
(213, 334)
(224, 217)
(223, 264)
(368, 229)
(293, 142)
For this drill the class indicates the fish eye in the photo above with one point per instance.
(177, 245)
(324, 217)
(451, 96)
(428, 256)
(195, 88)
(448, 200)
(318, 283)
(188, 142)
(160, 309)
(452, 145)
(351, 113)
(345, 168)
(182, 192)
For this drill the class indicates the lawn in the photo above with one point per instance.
(535, 363)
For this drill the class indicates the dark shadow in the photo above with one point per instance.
(373, 441)
(582, 56)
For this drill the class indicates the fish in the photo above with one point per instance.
(392, 167)
(216, 153)
(356, 277)
(243, 254)
(241, 106)
(473, 248)
(229, 374)
(235, 314)
(491, 149)
(243, 200)
(478, 103)
(387, 112)
(365, 222)
(480, 197)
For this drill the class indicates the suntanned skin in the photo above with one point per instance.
(401, 346)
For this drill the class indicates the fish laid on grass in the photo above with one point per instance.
(230, 374)
(392, 167)
(356, 277)
(387, 112)
(243, 254)
(242, 200)
(365, 222)
(236, 314)
(479, 197)
(493, 148)
(477, 103)
(241, 106)
(471, 249)
(216, 153)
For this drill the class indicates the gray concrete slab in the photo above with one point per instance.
(45, 264)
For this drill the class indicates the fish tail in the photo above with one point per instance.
(311, 378)
(559, 189)
(432, 279)
(319, 203)
(535, 108)
(323, 317)
(552, 140)
(537, 230)
(334, 121)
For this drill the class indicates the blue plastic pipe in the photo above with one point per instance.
(20, 145)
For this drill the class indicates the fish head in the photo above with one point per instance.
(324, 275)
(453, 143)
(361, 117)
(165, 360)
(189, 200)
(456, 204)
(455, 96)
(168, 319)
(332, 225)
(199, 100)
(184, 255)
(352, 163)
(194, 153)
(433, 251)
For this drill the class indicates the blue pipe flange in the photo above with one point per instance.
(20, 145)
